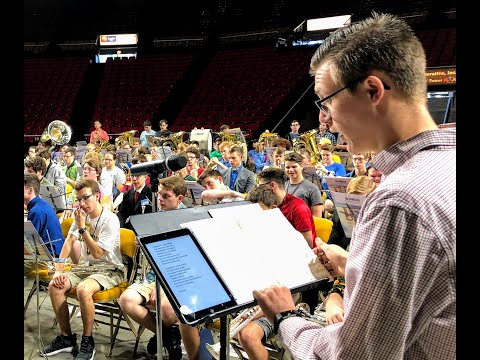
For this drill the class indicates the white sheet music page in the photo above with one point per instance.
(254, 249)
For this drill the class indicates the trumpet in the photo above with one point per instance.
(322, 171)
(237, 324)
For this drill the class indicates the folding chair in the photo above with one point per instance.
(106, 301)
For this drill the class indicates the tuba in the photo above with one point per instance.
(309, 142)
(58, 132)
(125, 137)
(173, 140)
(267, 137)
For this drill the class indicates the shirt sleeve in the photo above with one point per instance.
(389, 277)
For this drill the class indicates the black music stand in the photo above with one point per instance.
(51, 194)
(34, 242)
(158, 223)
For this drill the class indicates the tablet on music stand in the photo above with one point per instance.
(192, 284)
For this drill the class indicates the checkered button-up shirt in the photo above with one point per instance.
(400, 294)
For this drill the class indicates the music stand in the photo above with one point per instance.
(195, 190)
(159, 222)
(35, 242)
(51, 194)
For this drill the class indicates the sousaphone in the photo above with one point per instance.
(58, 132)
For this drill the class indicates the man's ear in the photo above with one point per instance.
(375, 88)
(181, 197)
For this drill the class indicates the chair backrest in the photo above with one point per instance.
(65, 224)
(323, 228)
(129, 249)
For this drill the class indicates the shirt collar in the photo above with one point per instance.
(396, 155)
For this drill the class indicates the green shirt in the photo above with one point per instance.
(216, 154)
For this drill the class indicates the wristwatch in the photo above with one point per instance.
(82, 230)
(282, 316)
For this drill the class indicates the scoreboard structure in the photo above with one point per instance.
(116, 46)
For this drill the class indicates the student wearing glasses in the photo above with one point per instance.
(359, 165)
(92, 169)
(400, 290)
(73, 170)
(97, 230)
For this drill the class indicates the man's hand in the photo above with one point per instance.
(59, 280)
(334, 311)
(333, 257)
(274, 300)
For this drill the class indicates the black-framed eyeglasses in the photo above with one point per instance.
(319, 102)
(84, 198)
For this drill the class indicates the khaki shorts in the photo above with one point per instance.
(107, 279)
(145, 289)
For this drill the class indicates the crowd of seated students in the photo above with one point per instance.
(288, 180)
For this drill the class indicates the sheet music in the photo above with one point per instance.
(33, 241)
(51, 194)
(195, 189)
(348, 207)
(255, 249)
(337, 183)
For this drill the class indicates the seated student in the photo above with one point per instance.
(38, 167)
(92, 169)
(334, 168)
(134, 299)
(203, 159)
(254, 335)
(193, 167)
(259, 157)
(223, 162)
(374, 174)
(137, 159)
(98, 231)
(137, 200)
(42, 216)
(294, 209)
(73, 170)
(216, 152)
(216, 191)
(54, 173)
(300, 187)
(237, 177)
(359, 165)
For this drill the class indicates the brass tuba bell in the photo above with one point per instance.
(308, 141)
(58, 132)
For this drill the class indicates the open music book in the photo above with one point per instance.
(195, 190)
(337, 183)
(254, 249)
(347, 206)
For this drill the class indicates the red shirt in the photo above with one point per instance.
(298, 214)
(103, 134)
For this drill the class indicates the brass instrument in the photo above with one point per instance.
(211, 165)
(267, 138)
(309, 142)
(237, 324)
(235, 136)
(90, 269)
(171, 141)
(125, 137)
(58, 132)
(103, 144)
